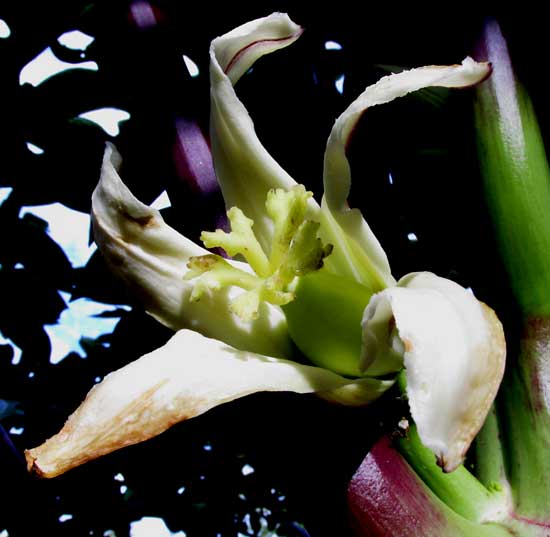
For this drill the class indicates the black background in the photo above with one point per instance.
(303, 450)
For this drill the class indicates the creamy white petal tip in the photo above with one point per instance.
(245, 169)
(357, 252)
(453, 350)
(184, 378)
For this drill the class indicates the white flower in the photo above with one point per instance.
(451, 346)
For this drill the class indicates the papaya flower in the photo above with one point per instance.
(309, 305)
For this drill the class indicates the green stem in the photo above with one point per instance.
(387, 497)
(490, 462)
(517, 183)
(460, 490)
(526, 409)
(516, 177)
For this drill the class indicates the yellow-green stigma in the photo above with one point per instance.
(295, 251)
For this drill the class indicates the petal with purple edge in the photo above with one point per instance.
(245, 169)
(357, 252)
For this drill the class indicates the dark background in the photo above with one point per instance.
(303, 451)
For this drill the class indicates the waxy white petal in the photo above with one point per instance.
(454, 353)
(184, 378)
(245, 169)
(152, 259)
(358, 253)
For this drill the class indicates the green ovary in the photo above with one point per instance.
(325, 320)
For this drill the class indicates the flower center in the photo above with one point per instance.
(295, 251)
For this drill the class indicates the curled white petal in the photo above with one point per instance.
(359, 253)
(184, 378)
(152, 259)
(453, 350)
(245, 169)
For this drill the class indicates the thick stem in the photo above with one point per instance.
(387, 498)
(516, 177)
(517, 183)
(526, 409)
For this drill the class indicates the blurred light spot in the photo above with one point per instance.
(332, 45)
(390, 178)
(315, 78)
(282, 498)
(75, 40)
(150, 526)
(339, 83)
(412, 237)
(123, 489)
(143, 14)
(96, 380)
(192, 67)
(109, 533)
(17, 352)
(31, 374)
(34, 149)
(181, 490)
(17, 430)
(108, 119)
(249, 528)
(247, 469)
(46, 65)
(242, 497)
(65, 517)
(18, 266)
(68, 228)
(207, 447)
(5, 193)
(79, 320)
(162, 202)
(4, 533)
(5, 32)
(119, 477)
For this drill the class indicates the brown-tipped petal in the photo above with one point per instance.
(151, 257)
(454, 352)
(184, 378)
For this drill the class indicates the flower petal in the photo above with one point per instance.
(245, 170)
(184, 378)
(152, 259)
(454, 352)
(360, 255)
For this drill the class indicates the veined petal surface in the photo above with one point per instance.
(152, 259)
(454, 353)
(245, 169)
(358, 253)
(184, 378)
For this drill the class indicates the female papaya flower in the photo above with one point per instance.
(315, 284)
